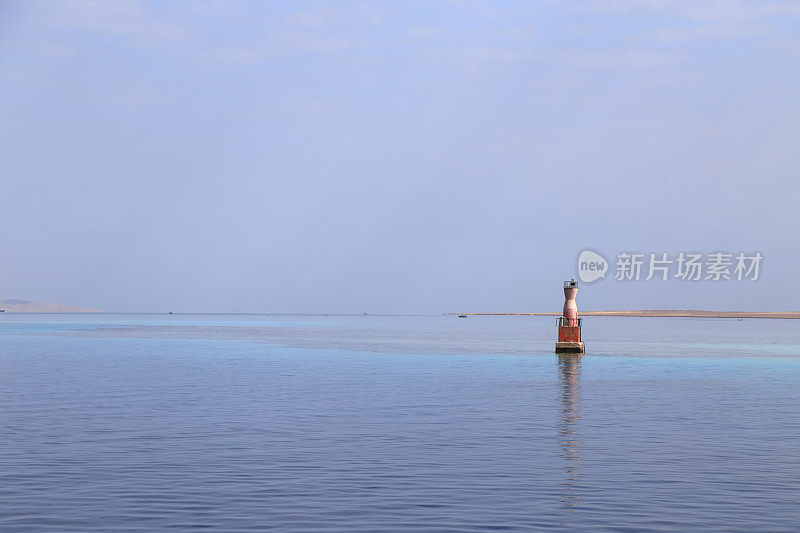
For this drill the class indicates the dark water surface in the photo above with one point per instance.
(147, 422)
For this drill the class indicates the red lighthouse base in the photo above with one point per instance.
(569, 340)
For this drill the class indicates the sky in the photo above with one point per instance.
(395, 157)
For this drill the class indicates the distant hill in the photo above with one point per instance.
(13, 305)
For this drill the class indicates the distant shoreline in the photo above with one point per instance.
(15, 305)
(667, 313)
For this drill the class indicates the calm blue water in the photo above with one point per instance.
(147, 422)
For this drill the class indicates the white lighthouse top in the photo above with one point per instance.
(571, 284)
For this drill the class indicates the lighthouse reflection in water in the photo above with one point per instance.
(569, 435)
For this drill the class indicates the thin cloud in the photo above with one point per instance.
(707, 32)
(336, 15)
(126, 18)
(623, 60)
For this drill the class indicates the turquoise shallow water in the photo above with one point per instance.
(152, 422)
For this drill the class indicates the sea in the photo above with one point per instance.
(112, 422)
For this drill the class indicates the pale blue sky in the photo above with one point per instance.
(393, 156)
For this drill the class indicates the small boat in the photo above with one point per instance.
(462, 316)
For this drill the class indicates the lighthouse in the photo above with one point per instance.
(569, 325)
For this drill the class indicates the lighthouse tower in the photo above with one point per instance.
(569, 325)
